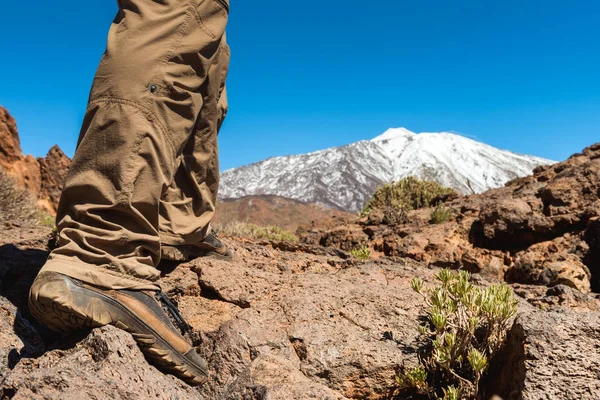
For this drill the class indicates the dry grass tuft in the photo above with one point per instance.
(247, 230)
(362, 253)
(440, 214)
(17, 204)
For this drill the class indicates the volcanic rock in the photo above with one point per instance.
(541, 229)
(54, 168)
(321, 328)
(550, 355)
(10, 151)
(44, 177)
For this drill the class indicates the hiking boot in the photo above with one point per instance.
(65, 304)
(211, 247)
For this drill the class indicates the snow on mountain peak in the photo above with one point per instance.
(346, 177)
(394, 133)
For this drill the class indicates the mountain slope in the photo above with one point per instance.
(270, 210)
(345, 177)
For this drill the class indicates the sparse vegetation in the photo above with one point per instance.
(251, 231)
(48, 220)
(407, 194)
(16, 204)
(441, 213)
(394, 216)
(464, 327)
(362, 253)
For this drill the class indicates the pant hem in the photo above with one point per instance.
(97, 275)
(170, 239)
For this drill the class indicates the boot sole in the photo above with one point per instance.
(66, 318)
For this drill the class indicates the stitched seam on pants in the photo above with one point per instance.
(183, 239)
(174, 236)
(201, 22)
(145, 111)
(104, 269)
(128, 190)
(183, 29)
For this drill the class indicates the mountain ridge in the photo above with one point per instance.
(346, 176)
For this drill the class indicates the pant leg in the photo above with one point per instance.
(188, 205)
(146, 96)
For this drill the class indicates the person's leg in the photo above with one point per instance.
(146, 97)
(188, 205)
(143, 106)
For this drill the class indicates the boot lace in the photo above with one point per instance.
(175, 314)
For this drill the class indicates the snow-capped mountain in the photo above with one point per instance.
(346, 177)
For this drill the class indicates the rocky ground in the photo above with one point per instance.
(287, 321)
(308, 321)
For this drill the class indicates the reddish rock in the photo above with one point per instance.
(552, 263)
(54, 168)
(44, 177)
(10, 146)
(345, 238)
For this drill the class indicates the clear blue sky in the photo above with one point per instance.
(523, 75)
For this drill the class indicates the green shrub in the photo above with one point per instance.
(464, 327)
(362, 253)
(440, 214)
(251, 231)
(407, 194)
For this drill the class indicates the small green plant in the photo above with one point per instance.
(272, 233)
(440, 214)
(407, 194)
(451, 393)
(47, 219)
(414, 378)
(53, 239)
(362, 253)
(464, 327)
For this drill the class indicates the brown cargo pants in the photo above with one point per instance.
(146, 168)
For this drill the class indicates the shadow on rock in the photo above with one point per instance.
(18, 269)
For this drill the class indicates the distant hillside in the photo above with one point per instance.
(274, 210)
